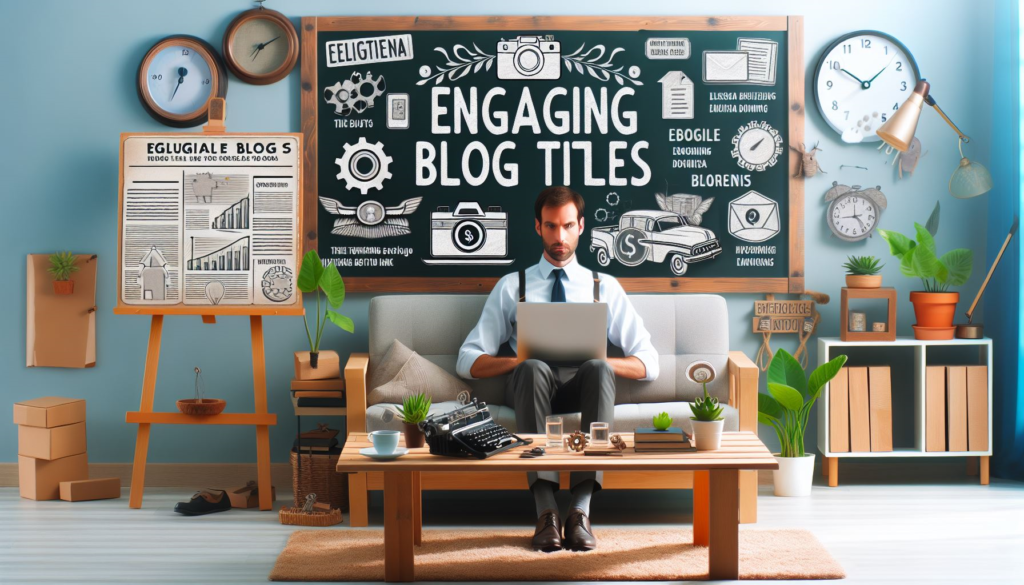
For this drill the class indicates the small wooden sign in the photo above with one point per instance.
(784, 324)
(768, 308)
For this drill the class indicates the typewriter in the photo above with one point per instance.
(468, 431)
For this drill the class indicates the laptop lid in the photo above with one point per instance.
(562, 333)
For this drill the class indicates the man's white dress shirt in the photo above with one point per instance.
(496, 325)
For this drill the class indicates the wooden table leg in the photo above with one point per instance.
(701, 507)
(148, 391)
(358, 514)
(398, 526)
(723, 549)
(417, 509)
(833, 471)
(984, 469)
(259, 389)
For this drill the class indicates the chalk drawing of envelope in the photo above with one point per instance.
(726, 66)
(753, 217)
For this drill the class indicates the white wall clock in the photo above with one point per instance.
(860, 80)
(853, 213)
(757, 146)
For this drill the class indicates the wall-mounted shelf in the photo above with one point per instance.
(925, 353)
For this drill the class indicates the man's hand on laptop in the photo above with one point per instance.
(487, 366)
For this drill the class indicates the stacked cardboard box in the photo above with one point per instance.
(51, 445)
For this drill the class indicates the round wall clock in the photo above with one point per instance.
(860, 80)
(178, 77)
(261, 46)
(757, 146)
(853, 213)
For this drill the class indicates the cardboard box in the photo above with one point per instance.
(248, 496)
(51, 443)
(40, 479)
(328, 366)
(49, 412)
(107, 488)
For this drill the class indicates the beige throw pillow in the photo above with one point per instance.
(403, 372)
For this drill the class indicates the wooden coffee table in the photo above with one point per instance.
(716, 489)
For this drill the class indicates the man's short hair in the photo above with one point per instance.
(556, 197)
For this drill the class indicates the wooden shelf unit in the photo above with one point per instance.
(829, 347)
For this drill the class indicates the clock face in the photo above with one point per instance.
(260, 46)
(179, 80)
(757, 146)
(861, 80)
(852, 217)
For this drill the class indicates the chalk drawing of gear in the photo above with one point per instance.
(355, 94)
(364, 166)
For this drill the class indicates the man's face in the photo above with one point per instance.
(560, 229)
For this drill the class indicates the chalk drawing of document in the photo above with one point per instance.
(761, 61)
(676, 96)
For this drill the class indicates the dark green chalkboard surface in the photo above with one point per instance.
(429, 141)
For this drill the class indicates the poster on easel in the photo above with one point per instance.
(210, 220)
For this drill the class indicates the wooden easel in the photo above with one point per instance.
(261, 419)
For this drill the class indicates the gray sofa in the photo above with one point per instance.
(684, 329)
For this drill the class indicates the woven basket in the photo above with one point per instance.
(295, 517)
(318, 476)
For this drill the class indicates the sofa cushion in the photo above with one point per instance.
(403, 372)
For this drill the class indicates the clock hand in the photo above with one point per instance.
(262, 46)
(854, 76)
(182, 72)
(880, 72)
(279, 36)
(756, 144)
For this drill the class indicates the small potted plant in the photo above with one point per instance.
(661, 421)
(862, 272)
(62, 264)
(707, 414)
(786, 408)
(314, 277)
(935, 306)
(413, 411)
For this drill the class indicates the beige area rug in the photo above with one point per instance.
(623, 554)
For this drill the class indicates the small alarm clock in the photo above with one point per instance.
(853, 213)
(178, 77)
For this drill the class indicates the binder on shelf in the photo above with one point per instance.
(860, 420)
(935, 408)
(839, 412)
(977, 408)
(956, 401)
(880, 404)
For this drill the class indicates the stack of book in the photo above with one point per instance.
(321, 440)
(328, 393)
(671, 440)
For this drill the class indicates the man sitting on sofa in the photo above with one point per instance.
(539, 389)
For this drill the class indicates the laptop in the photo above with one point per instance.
(562, 334)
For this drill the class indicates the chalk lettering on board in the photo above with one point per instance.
(667, 48)
(355, 94)
(469, 235)
(371, 219)
(368, 50)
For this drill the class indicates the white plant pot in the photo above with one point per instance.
(707, 434)
(794, 475)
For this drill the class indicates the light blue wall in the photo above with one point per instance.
(68, 90)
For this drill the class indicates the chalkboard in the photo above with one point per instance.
(427, 141)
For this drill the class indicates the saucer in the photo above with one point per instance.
(372, 453)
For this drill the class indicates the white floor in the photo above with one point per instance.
(894, 523)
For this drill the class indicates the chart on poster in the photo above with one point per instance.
(209, 220)
(430, 147)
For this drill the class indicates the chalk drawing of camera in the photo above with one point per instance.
(469, 235)
(529, 58)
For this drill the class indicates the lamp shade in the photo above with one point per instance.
(970, 179)
(898, 131)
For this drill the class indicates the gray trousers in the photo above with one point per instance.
(537, 392)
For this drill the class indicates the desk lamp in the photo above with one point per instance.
(970, 179)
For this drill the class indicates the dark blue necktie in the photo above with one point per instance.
(558, 290)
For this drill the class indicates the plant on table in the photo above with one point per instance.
(787, 408)
(661, 421)
(935, 306)
(862, 272)
(413, 411)
(707, 418)
(314, 277)
(62, 265)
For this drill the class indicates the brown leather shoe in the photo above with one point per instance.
(578, 535)
(548, 536)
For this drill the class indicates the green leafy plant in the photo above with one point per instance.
(62, 264)
(314, 277)
(790, 397)
(862, 265)
(414, 408)
(918, 258)
(662, 421)
(706, 408)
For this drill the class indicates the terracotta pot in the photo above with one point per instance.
(63, 287)
(934, 309)
(863, 280)
(413, 435)
(314, 359)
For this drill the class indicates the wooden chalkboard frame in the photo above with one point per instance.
(792, 25)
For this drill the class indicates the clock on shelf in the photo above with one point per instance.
(860, 80)
(757, 146)
(261, 46)
(853, 212)
(178, 77)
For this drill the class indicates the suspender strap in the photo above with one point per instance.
(522, 286)
(597, 287)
